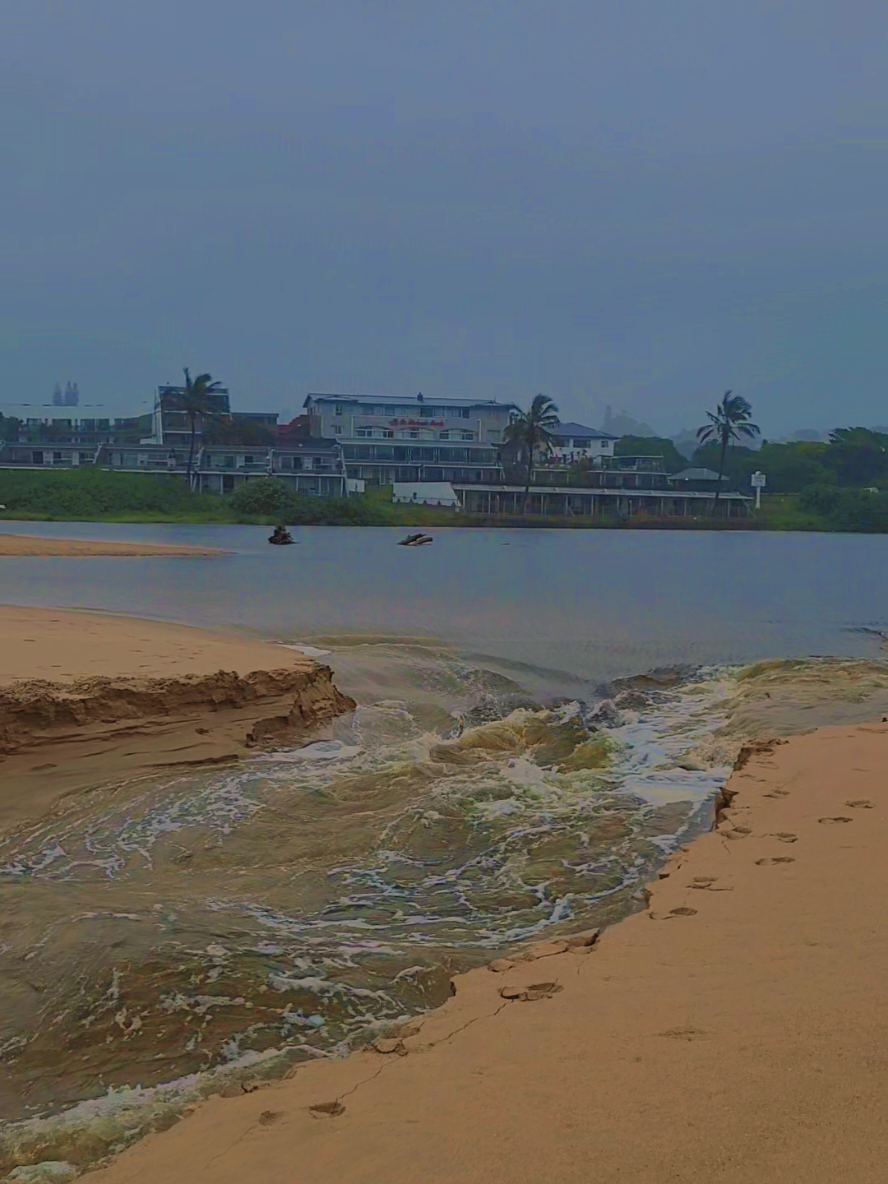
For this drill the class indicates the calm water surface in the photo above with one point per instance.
(512, 767)
(594, 604)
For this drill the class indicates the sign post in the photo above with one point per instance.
(758, 482)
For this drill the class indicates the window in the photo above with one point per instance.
(337, 410)
(465, 413)
(388, 434)
(363, 432)
(413, 435)
(56, 458)
(379, 411)
(337, 430)
(467, 435)
(444, 435)
(249, 460)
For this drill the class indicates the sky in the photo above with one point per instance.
(615, 202)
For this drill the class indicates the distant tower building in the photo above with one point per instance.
(72, 395)
(57, 400)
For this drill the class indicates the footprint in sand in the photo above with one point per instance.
(776, 859)
(683, 1033)
(682, 912)
(532, 993)
(830, 820)
(785, 837)
(327, 1109)
(268, 1117)
(860, 804)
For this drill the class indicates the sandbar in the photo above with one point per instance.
(31, 546)
(87, 697)
(732, 1031)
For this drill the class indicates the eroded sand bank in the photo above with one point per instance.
(21, 545)
(734, 1031)
(84, 697)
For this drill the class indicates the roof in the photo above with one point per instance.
(696, 475)
(303, 444)
(595, 491)
(398, 400)
(577, 429)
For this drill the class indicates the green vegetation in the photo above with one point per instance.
(534, 432)
(729, 422)
(196, 403)
(10, 426)
(270, 499)
(853, 458)
(90, 494)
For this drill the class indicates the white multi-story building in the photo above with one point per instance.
(390, 438)
(574, 442)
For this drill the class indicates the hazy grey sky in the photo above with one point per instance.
(612, 201)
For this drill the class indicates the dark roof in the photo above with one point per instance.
(696, 475)
(577, 429)
(397, 400)
(303, 444)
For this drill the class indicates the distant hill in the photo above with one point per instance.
(623, 424)
(685, 442)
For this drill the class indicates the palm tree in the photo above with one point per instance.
(729, 421)
(534, 431)
(196, 401)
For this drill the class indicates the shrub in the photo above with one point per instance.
(92, 493)
(857, 510)
(264, 495)
(819, 499)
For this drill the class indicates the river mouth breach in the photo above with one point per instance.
(185, 926)
(166, 924)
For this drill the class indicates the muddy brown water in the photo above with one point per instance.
(542, 717)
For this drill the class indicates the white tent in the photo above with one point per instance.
(425, 493)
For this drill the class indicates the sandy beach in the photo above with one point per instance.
(84, 697)
(31, 546)
(730, 1032)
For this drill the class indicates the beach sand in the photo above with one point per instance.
(85, 697)
(22, 546)
(732, 1032)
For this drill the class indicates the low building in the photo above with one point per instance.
(46, 455)
(310, 466)
(699, 480)
(574, 442)
(595, 502)
(307, 466)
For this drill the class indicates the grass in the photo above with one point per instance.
(93, 495)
